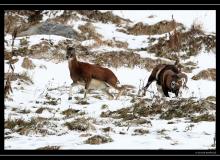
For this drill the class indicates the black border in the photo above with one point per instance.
(195, 153)
(109, 6)
(97, 2)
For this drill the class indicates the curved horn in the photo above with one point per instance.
(182, 75)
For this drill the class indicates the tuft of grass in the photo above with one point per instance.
(69, 112)
(197, 27)
(24, 127)
(204, 117)
(24, 77)
(105, 114)
(211, 98)
(171, 113)
(140, 131)
(104, 106)
(158, 28)
(14, 109)
(23, 41)
(107, 129)
(80, 124)
(49, 148)
(51, 100)
(10, 124)
(97, 97)
(27, 63)
(138, 121)
(185, 108)
(24, 111)
(167, 137)
(97, 139)
(85, 135)
(162, 131)
(209, 74)
(82, 102)
(41, 109)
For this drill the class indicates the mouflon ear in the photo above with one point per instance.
(70, 49)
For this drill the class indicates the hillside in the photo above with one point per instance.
(38, 114)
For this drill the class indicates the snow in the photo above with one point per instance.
(102, 49)
(205, 60)
(187, 17)
(141, 142)
(33, 40)
(76, 24)
(59, 76)
(51, 14)
(108, 31)
(88, 42)
(54, 80)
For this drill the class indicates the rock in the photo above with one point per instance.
(50, 28)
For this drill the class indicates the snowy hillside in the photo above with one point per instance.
(38, 114)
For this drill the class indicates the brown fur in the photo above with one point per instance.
(163, 74)
(80, 71)
(87, 73)
(168, 77)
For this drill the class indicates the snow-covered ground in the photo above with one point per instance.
(57, 75)
(205, 17)
(54, 80)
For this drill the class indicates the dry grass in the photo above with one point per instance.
(104, 106)
(23, 42)
(197, 27)
(51, 100)
(24, 77)
(13, 20)
(24, 111)
(69, 112)
(95, 15)
(49, 148)
(185, 108)
(118, 59)
(80, 124)
(158, 28)
(89, 32)
(25, 127)
(140, 131)
(27, 63)
(41, 109)
(97, 139)
(165, 109)
(82, 102)
(107, 129)
(7, 55)
(110, 43)
(191, 42)
(204, 117)
(211, 98)
(209, 74)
